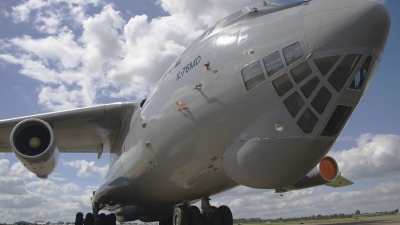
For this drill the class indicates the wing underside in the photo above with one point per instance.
(79, 130)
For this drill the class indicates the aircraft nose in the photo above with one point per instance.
(346, 23)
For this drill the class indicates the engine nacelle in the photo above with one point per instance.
(34, 143)
(326, 171)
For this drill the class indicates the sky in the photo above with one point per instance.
(57, 55)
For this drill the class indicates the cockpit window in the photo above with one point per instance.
(213, 28)
(292, 53)
(307, 121)
(253, 75)
(294, 103)
(343, 71)
(234, 16)
(300, 72)
(282, 84)
(273, 63)
(337, 121)
(359, 79)
(326, 64)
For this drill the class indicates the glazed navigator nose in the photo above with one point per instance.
(332, 24)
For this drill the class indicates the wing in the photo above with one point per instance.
(340, 182)
(80, 130)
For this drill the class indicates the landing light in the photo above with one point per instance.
(278, 127)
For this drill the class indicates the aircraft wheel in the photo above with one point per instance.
(111, 219)
(216, 217)
(181, 216)
(226, 215)
(102, 219)
(195, 217)
(89, 219)
(79, 218)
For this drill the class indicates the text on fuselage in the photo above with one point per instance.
(188, 67)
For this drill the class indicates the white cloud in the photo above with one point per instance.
(66, 188)
(48, 187)
(56, 177)
(86, 169)
(321, 200)
(16, 170)
(38, 199)
(23, 201)
(81, 57)
(375, 156)
(12, 186)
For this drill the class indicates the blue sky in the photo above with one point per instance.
(58, 55)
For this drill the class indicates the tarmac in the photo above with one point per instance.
(377, 222)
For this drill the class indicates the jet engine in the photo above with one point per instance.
(325, 172)
(34, 143)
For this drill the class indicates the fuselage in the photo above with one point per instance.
(277, 86)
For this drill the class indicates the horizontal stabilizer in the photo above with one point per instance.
(340, 182)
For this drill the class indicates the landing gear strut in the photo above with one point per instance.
(191, 215)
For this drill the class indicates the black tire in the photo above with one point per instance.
(226, 215)
(195, 217)
(89, 219)
(102, 219)
(79, 218)
(181, 216)
(216, 218)
(111, 219)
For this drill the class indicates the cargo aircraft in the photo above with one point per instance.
(257, 100)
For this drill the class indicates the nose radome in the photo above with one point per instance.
(336, 24)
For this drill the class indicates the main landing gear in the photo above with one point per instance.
(95, 218)
(191, 215)
(89, 219)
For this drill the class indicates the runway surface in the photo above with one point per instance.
(377, 222)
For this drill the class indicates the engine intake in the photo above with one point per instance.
(33, 142)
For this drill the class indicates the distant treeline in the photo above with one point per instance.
(313, 217)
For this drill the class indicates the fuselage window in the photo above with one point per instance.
(337, 121)
(343, 71)
(292, 53)
(282, 84)
(359, 79)
(300, 72)
(253, 75)
(273, 63)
